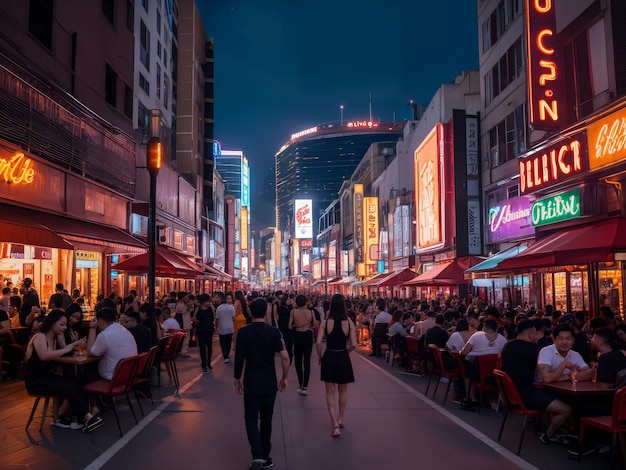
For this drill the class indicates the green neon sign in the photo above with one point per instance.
(557, 208)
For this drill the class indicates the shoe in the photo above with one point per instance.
(302, 391)
(205, 370)
(444, 380)
(563, 438)
(457, 400)
(256, 464)
(470, 405)
(226, 361)
(63, 422)
(268, 463)
(340, 423)
(210, 367)
(545, 439)
(186, 356)
(604, 449)
(94, 423)
(581, 453)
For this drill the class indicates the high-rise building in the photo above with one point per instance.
(314, 163)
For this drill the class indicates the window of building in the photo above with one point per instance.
(512, 191)
(144, 4)
(144, 84)
(159, 49)
(144, 49)
(128, 101)
(158, 81)
(158, 25)
(508, 68)
(108, 8)
(110, 86)
(507, 139)
(130, 15)
(577, 65)
(166, 91)
(496, 24)
(40, 21)
(143, 116)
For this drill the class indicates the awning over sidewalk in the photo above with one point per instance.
(597, 242)
(346, 281)
(168, 264)
(445, 274)
(373, 281)
(212, 271)
(73, 232)
(491, 263)
(397, 278)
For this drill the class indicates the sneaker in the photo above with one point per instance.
(457, 400)
(205, 370)
(256, 464)
(563, 438)
(210, 367)
(581, 453)
(268, 463)
(302, 391)
(63, 422)
(94, 423)
(226, 361)
(543, 437)
(470, 405)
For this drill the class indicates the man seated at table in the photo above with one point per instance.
(142, 334)
(519, 361)
(610, 361)
(559, 361)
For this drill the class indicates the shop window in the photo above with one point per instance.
(40, 16)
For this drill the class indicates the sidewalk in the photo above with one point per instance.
(389, 424)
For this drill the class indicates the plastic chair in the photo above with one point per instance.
(46, 402)
(142, 377)
(513, 403)
(170, 354)
(486, 365)
(158, 360)
(440, 370)
(120, 384)
(614, 424)
(413, 354)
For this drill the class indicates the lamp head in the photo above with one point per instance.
(154, 155)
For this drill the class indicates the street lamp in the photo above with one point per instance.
(154, 156)
(341, 113)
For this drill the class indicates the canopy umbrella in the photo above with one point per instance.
(168, 264)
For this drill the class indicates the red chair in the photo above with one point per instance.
(440, 370)
(513, 403)
(162, 345)
(170, 354)
(486, 365)
(120, 384)
(413, 354)
(142, 378)
(614, 424)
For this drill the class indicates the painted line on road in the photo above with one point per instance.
(507, 454)
(121, 442)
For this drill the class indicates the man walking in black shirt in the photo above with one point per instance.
(255, 347)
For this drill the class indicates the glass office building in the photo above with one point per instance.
(314, 163)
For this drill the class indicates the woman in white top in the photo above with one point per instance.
(458, 339)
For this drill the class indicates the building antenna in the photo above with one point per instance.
(370, 106)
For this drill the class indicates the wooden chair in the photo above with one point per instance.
(440, 370)
(614, 424)
(486, 365)
(513, 403)
(46, 402)
(120, 384)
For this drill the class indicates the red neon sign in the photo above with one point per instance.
(546, 86)
(554, 164)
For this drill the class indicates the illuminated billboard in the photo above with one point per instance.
(428, 189)
(303, 218)
(607, 139)
(370, 210)
(243, 230)
(358, 224)
(245, 184)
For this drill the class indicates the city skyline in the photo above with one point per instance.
(281, 68)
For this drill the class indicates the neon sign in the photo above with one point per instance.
(310, 130)
(368, 124)
(554, 164)
(546, 90)
(608, 139)
(17, 169)
(370, 205)
(428, 189)
(557, 208)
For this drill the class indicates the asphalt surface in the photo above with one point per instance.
(389, 425)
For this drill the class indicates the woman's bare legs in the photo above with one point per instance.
(343, 401)
(330, 404)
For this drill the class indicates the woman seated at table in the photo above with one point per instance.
(74, 315)
(40, 377)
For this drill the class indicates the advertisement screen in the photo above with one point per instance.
(303, 214)
(245, 185)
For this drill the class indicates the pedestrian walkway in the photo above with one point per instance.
(389, 425)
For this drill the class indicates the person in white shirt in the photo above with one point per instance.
(558, 361)
(112, 344)
(488, 341)
(170, 324)
(225, 320)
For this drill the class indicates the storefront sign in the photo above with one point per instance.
(511, 219)
(370, 209)
(42, 253)
(607, 139)
(428, 189)
(17, 169)
(546, 86)
(358, 223)
(17, 251)
(557, 208)
(554, 163)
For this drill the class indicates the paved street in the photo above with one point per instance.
(388, 424)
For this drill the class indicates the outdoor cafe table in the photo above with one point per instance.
(578, 392)
(77, 361)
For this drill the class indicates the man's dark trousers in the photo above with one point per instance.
(259, 407)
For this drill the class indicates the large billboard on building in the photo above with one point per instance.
(245, 184)
(243, 230)
(428, 161)
(370, 211)
(303, 218)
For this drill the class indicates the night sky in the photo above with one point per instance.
(282, 66)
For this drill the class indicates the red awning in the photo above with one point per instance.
(446, 274)
(374, 280)
(335, 280)
(398, 277)
(590, 243)
(168, 264)
(212, 271)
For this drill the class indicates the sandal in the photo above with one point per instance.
(340, 423)
(336, 432)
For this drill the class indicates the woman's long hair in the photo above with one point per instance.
(244, 304)
(337, 310)
(52, 317)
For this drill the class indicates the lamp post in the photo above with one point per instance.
(154, 156)
(341, 113)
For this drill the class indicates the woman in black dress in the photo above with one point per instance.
(336, 367)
